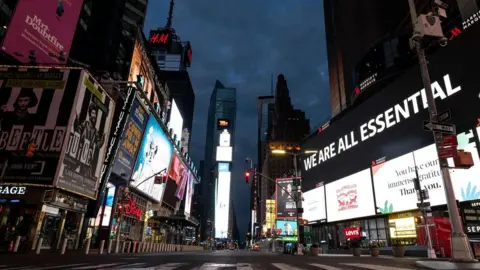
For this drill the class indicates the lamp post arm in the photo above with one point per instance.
(150, 177)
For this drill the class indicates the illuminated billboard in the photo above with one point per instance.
(286, 227)
(45, 27)
(140, 65)
(223, 124)
(223, 205)
(224, 138)
(155, 155)
(224, 153)
(161, 38)
(176, 121)
(189, 195)
(270, 214)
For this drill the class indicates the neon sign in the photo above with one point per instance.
(162, 37)
(132, 209)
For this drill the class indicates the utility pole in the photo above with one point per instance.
(461, 250)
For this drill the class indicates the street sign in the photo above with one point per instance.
(424, 204)
(445, 116)
(447, 152)
(439, 127)
(449, 140)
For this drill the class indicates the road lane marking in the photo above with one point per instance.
(167, 266)
(132, 265)
(326, 267)
(98, 266)
(283, 266)
(64, 266)
(244, 266)
(374, 266)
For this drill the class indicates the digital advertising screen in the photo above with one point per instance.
(286, 227)
(224, 138)
(140, 66)
(92, 117)
(350, 197)
(179, 173)
(107, 212)
(314, 204)
(389, 123)
(223, 167)
(154, 156)
(44, 26)
(286, 207)
(224, 153)
(44, 111)
(176, 121)
(222, 208)
(189, 195)
(130, 143)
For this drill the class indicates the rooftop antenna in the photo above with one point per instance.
(170, 15)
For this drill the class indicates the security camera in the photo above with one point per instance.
(443, 42)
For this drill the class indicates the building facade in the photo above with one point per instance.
(220, 141)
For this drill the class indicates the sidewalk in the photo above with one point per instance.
(446, 265)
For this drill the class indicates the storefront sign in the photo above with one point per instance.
(472, 229)
(12, 190)
(131, 208)
(352, 233)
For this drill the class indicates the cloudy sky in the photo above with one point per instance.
(241, 43)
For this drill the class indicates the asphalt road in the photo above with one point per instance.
(201, 261)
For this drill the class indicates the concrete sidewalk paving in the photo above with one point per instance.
(446, 265)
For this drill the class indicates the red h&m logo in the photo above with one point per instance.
(159, 38)
(455, 32)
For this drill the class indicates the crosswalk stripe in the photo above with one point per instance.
(374, 266)
(96, 266)
(215, 266)
(244, 266)
(326, 267)
(64, 266)
(283, 266)
(132, 265)
(167, 266)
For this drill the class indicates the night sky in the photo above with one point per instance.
(241, 43)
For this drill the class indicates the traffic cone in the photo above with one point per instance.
(10, 247)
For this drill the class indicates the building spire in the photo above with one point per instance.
(170, 15)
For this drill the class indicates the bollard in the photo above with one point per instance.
(64, 245)
(162, 247)
(140, 247)
(87, 248)
(149, 247)
(135, 245)
(109, 246)
(123, 246)
(39, 245)
(117, 246)
(157, 249)
(102, 244)
(34, 244)
(17, 243)
(129, 245)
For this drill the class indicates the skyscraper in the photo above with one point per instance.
(220, 140)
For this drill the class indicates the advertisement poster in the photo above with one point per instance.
(176, 121)
(179, 174)
(190, 190)
(44, 26)
(154, 156)
(132, 137)
(350, 197)
(34, 119)
(314, 204)
(286, 207)
(87, 143)
(222, 208)
(286, 227)
(138, 67)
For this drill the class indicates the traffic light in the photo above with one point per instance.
(247, 177)
(31, 149)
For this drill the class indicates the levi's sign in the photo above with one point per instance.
(383, 121)
(12, 190)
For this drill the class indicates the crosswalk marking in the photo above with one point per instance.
(244, 266)
(167, 266)
(132, 265)
(374, 266)
(283, 266)
(96, 266)
(326, 267)
(64, 266)
(215, 266)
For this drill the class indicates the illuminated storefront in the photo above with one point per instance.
(402, 227)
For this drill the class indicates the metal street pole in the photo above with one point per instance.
(298, 201)
(461, 250)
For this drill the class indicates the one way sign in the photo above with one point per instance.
(439, 127)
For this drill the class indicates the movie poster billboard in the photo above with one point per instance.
(154, 156)
(286, 207)
(190, 191)
(130, 144)
(179, 173)
(45, 27)
(35, 107)
(86, 146)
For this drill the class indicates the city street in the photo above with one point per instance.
(202, 261)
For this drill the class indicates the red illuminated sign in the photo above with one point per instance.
(352, 233)
(132, 209)
(454, 32)
(187, 58)
(161, 37)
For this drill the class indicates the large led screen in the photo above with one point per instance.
(286, 206)
(314, 204)
(389, 123)
(189, 195)
(350, 197)
(223, 205)
(393, 180)
(140, 66)
(176, 121)
(45, 27)
(179, 173)
(286, 227)
(154, 156)
(224, 153)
